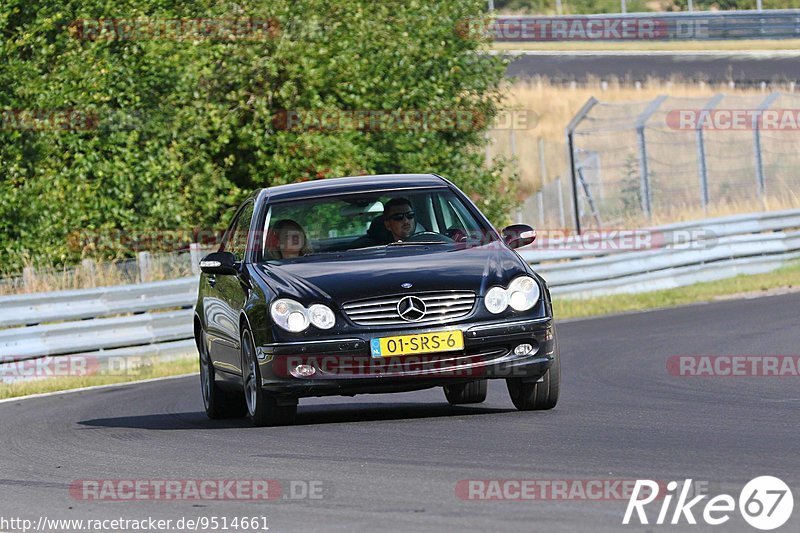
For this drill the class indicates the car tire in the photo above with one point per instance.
(466, 393)
(218, 403)
(262, 407)
(539, 396)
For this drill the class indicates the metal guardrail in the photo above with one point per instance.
(81, 324)
(609, 275)
(672, 278)
(596, 244)
(720, 25)
(729, 246)
(31, 309)
(18, 344)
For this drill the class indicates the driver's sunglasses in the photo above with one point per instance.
(400, 216)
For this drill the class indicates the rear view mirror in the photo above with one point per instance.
(519, 235)
(222, 263)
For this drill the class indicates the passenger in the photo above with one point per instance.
(287, 240)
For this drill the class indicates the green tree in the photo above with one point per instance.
(182, 129)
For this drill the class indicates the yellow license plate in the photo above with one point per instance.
(438, 341)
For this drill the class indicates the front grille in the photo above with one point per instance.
(382, 311)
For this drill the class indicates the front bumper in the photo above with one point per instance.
(345, 366)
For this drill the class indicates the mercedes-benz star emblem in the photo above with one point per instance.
(407, 285)
(411, 309)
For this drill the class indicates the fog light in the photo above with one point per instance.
(523, 349)
(303, 371)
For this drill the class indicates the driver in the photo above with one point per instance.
(398, 218)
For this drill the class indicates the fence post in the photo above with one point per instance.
(588, 193)
(644, 170)
(89, 270)
(561, 214)
(702, 168)
(194, 257)
(760, 179)
(540, 206)
(644, 176)
(576, 120)
(542, 162)
(28, 277)
(145, 267)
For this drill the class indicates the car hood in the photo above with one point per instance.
(368, 273)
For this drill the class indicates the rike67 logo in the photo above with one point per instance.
(766, 503)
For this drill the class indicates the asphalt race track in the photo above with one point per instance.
(741, 68)
(392, 462)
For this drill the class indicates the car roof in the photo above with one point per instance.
(353, 184)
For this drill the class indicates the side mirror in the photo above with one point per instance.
(519, 235)
(222, 263)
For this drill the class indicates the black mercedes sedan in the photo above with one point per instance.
(370, 284)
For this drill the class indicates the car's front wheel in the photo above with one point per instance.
(218, 403)
(537, 396)
(263, 408)
(466, 393)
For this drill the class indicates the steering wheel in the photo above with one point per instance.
(457, 234)
(424, 236)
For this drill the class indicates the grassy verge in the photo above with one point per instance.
(683, 46)
(784, 280)
(156, 370)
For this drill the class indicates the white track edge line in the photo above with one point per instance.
(94, 387)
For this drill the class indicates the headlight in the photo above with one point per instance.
(496, 300)
(321, 316)
(289, 315)
(523, 293)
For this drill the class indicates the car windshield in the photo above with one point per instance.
(315, 226)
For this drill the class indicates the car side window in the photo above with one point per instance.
(241, 231)
(449, 215)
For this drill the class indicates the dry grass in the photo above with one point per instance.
(556, 104)
(101, 274)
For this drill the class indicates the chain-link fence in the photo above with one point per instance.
(544, 191)
(673, 159)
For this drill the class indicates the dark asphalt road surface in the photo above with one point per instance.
(739, 68)
(391, 462)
